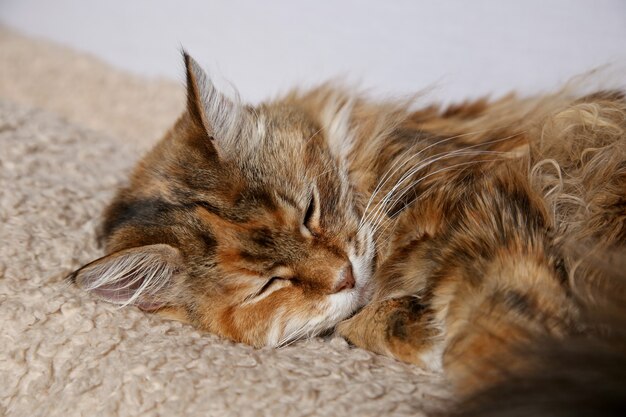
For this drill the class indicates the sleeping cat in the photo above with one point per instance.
(442, 238)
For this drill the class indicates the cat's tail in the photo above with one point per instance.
(578, 165)
(580, 375)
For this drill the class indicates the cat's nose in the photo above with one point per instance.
(346, 280)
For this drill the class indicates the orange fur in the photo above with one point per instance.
(455, 223)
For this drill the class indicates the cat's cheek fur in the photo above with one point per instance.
(289, 325)
(294, 327)
(286, 328)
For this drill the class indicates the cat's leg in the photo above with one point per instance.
(400, 328)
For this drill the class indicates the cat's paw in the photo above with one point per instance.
(391, 327)
(346, 329)
(368, 328)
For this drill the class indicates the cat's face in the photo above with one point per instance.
(242, 221)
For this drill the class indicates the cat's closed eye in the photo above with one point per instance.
(311, 215)
(268, 284)
(271, 285)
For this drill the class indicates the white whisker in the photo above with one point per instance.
(366, 216)
(376, 228)
(380, 209)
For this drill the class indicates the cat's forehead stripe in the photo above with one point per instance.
(255, 197)
(263, 237)
(147, 211)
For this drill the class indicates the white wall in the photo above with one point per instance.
(467, 47)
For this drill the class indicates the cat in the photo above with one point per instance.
(439, 237)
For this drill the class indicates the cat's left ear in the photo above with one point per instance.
(143, 276)
(224, 119)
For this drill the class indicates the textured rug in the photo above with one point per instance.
(70, 129)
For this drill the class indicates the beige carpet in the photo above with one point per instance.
(70, 129)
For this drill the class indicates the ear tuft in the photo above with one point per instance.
(140, 276)
(336, 118)
(222, 118)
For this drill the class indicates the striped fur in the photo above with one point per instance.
(281, 221)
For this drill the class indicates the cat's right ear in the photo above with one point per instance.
(220, 116)
(142, 276)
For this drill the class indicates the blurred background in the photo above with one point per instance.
(463, 48)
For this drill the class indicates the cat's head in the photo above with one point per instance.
(242, 220)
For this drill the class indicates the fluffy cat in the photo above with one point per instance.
(450, 233)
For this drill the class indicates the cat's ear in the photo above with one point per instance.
(142, 276)
(223, 119)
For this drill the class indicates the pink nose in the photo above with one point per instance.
(347, 279)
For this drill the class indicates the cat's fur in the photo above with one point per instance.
(583, 375)
(452, 227)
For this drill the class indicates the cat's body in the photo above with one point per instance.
(453, 228)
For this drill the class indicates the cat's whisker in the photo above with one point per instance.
(465, 149)
(389, 174)
(376, 213)
(289, 338)
(376, 227)
(366, 216)
(306, 142)
(412, 185)
(395, 168)
(386, 176)
(461, 153)
(324, 172)
(388, 221)
(381, 206)
(294, 336)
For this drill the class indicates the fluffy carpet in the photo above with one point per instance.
(70, 129)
